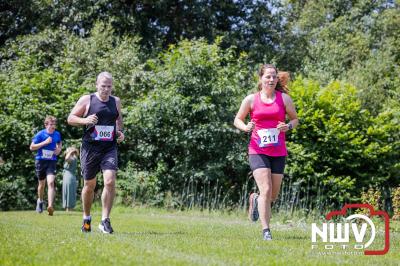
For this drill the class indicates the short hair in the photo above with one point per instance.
(105, 74)
(49, 119)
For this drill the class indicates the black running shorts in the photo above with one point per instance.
(94, 160)
(43, 168)
(276, 164)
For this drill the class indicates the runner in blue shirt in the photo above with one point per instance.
(47, 143)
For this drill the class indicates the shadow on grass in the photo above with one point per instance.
(296, 237)
(151, 233)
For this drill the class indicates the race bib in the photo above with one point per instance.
(47, 154)
(104, 133)
(268, 137)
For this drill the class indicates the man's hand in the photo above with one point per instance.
(121, 136)
(48, 141)
(91, 119)
(58, 150)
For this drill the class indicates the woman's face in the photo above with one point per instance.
(269, 79)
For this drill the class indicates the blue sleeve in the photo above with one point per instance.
(59, 137)
(37, 138)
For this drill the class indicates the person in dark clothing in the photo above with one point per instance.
(100, 114)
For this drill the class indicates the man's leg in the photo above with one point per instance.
(88, 195)
(39, 202)
(41, 186)
(107, 197)
(51, 192)
(87, 200)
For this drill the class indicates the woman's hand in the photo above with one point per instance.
(250, 126)
(283, 127)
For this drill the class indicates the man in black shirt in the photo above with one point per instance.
(101, 115)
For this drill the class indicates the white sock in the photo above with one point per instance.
(87, 217)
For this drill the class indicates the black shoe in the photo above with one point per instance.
(267, 235)
(105, 226)
(253, 207)
(39, 206)
(86, 226)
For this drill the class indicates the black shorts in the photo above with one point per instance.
(276, 164)
(43, 168)
(94, 160)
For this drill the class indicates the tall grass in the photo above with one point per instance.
(207, 196)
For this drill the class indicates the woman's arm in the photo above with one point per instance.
(241, 115)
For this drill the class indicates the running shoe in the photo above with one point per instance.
(267, 235)
(86, 226)
(105, 226)
(253, 207)
(50, 210)
(39, 206)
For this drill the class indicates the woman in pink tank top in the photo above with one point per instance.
(268, 109)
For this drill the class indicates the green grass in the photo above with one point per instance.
(160, 237)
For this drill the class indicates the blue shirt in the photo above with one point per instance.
(47, 152)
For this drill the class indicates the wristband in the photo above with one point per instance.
(290, 126)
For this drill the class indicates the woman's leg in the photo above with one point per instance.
(264, 184)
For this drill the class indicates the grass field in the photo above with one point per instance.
(159, 237)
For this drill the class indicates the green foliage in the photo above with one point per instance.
(135, 186)
(182, 128)
(396, 203)
(354, 41)
(179, 107)
(340, 147)
(45, 74)
(372, 197)
(252, 26)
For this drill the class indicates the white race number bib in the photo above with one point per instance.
(268, 137)
(104, 133)
(47, 154)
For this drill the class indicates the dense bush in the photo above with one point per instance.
(340, 148)
(45, 74)
(182, 129)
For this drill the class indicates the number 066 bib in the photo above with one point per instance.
(268, 137)
(103, 133)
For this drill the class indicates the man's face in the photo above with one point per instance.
(104, 86)
(51, 126)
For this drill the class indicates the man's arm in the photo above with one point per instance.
(58, 148)
(119, 122)
(35, 146)
(75, 118)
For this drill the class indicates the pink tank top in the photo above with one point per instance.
(265, 137)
